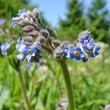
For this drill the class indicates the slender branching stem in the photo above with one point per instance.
(68, 84)
(24, 91)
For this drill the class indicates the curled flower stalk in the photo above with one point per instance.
(38, 38)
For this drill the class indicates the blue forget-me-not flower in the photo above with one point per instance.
(13, 24)
(76, 53)
(86, 42)
(5, 47)
(21, 11)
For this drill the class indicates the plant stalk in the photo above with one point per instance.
(24, 91)
(68, 84)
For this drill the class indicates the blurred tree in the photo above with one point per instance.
(74, 18)
(98, 21)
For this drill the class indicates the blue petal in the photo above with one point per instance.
(86, 37)
(71, 56)
(97, 48)
(83, 46)
(89, 46)
(28, 57)
(77, 58)
(63, 50)
(19, 41)
(96, 53)
(17, 46)
(82, 54)
(91, 40)
(20, 57)
(78, 49)
(72, 50)
(82, 40)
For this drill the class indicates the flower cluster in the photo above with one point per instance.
(30, 23)
(4, 47)
(83, 48)
(26, 51)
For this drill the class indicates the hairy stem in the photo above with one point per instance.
(68, 84)
(24, 91)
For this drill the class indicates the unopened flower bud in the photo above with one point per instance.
(24, 15)
(41, 39)
(27, 28)
(35, 13)
(17, 19)
(64, 44)
(44, 33)
(58, 52)
(83, 33)
(34, 33)
(28, 39)
(52, 32)
(29, 14)
(56, 43)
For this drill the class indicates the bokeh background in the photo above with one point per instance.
(91, 80)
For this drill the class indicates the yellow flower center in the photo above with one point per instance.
(66, 51)
(29, 51)
(36, 45)
(76, 53)
(86, 42)
(21, 45)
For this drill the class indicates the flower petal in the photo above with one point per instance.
(89, 46)
(91, 40)
(86, 37)
(82, 40)
(82, 54)
(77, 58)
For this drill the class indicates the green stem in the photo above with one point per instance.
(68, 84)
(24, 91)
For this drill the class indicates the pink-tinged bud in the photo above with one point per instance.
(56, 43)
(27, 28)
(23, 23)
(41, 39)
(44, 33)
(52, 32)
(18, 19)
(29, 14)
(34, 33)
(24, 15)
(35, 13)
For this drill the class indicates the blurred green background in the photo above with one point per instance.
(91, 80)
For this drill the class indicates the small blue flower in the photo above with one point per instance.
(5, 47)
(95, 50)
(65, 51)
(21, 11)
(87, 42)
(76, 53)
(20, 57)
(28, 52)
(13, 24)
(36, 45)
(20, 44)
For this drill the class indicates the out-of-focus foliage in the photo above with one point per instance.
(74, 22)
(98, 20)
